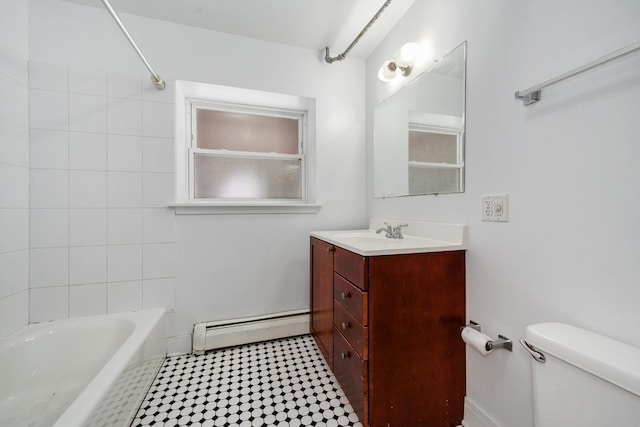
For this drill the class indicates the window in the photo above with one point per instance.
(243, 148)
(435, 165)
(435, 153)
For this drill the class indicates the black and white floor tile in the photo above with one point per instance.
(284, 383)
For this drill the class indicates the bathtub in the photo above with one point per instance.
(91, 371)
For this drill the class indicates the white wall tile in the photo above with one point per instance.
(14, 156)
(14, 272)
(158, 154)
(158, 189)
(87, 189)
(125, 263)
(14, 143)
(87, 227)
(87, 264)
(125, 226)
(17, 110)
(87, 300)
(159, 260)
(157, 119)
(124, 296)
(14, 229)
(49, 228)
(150, 93)
(87, 113)
(170, 317)
(13, 29)
(49, 188)
(49, 149)
(158, 225)
(87, 151)
(125, 190)
(48, 267)
(14, 186)
(159, 293)
(48, 109)
(124, 153)
(46, 304)
(123, 86)
(14, 66)
(48, 76)
(14, 312)
(87, 82)
(124, 116)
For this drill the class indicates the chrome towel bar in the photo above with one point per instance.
(534, 93)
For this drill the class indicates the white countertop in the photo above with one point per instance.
(419, 237)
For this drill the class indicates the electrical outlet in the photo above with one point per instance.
(495, 207)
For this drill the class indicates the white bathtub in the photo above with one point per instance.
(91, 371)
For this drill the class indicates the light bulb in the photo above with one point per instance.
(386, 73)
(407, 54)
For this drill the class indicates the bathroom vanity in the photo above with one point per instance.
(386, 314)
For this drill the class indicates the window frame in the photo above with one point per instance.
(439, 130)
(443, 125)
(192, 95)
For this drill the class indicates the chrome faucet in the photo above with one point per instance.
(392, 232)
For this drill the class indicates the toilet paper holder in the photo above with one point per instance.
(501, 342)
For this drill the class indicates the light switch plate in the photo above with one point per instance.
(495, 207)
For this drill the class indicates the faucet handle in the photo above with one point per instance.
(397, 230)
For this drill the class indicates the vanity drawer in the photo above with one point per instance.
(352, 298)
(352, 267)
(352, 374)
(355, 334)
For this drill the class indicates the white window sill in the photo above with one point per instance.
(243, 208)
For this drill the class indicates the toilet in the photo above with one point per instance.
(582, 379)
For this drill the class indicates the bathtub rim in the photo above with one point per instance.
(79, 411)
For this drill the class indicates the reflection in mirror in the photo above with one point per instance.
(418, 133)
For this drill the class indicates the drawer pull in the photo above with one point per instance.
(345, 326)
(345, 355)
(330, 249)
(345, 295)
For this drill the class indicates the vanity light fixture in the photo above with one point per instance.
(402, 64)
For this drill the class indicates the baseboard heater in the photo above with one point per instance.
(228, 333)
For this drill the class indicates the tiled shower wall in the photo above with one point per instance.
(101, 178)
(14, 192)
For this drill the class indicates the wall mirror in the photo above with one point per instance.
(418, 133)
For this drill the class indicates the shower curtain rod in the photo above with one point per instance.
(155, 78)
(343, 55)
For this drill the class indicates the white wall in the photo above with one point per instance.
(14, 168)
(230, 266)
(569, 251)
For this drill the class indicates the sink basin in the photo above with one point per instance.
(368, 243)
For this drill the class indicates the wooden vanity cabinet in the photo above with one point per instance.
(321, 257)
(397, 351)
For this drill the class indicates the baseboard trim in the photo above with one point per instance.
(474, 416)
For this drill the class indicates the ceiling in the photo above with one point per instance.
(311, 24)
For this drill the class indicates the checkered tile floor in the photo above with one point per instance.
(284, 383)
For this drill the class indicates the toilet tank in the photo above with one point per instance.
(587, 380)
